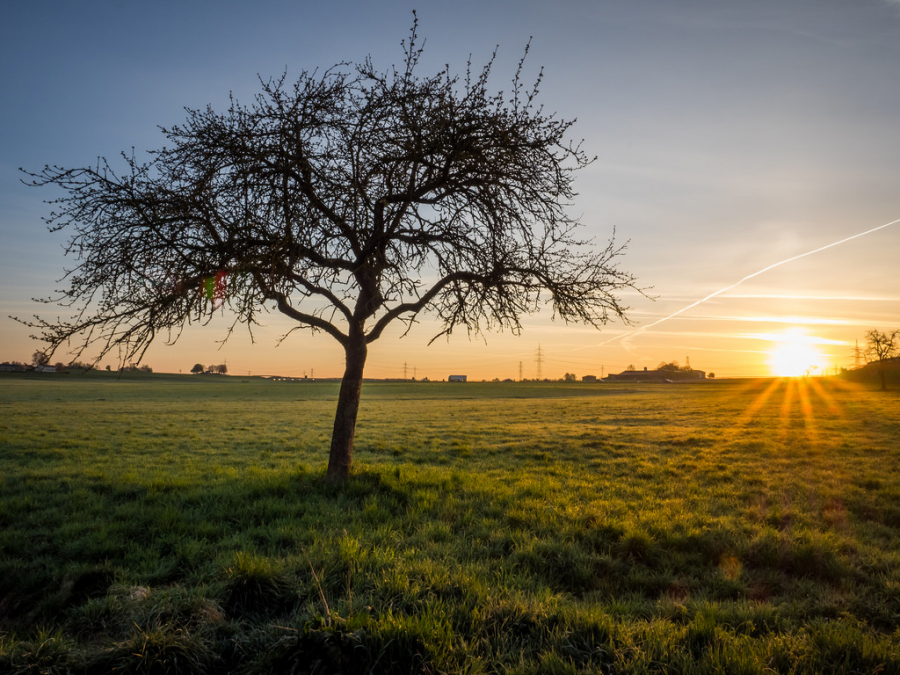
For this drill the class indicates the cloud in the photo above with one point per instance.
(826, 298)
(737, 283)
(790, 320)
(793, 338)
(893, 4)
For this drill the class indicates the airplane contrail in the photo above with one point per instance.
(749, 276)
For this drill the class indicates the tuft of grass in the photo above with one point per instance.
(158, 649)
(256, 585)
(48, 652)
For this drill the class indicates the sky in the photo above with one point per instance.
(735, 141)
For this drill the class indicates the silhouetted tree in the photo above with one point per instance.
(569, 377)
(673, 367)
(197, 369)
(40, 358)
(880, 347)
(347, 200)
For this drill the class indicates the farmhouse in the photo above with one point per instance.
(589, 378)
(661, 375)
(456, 378)
(13, 367)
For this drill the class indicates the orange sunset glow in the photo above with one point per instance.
(795, 354)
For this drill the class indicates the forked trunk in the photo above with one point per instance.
(345, 417)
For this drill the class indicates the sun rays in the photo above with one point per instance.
(788, 410)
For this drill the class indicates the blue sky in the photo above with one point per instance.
(729, 136)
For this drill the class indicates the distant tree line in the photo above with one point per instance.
(39, 360)
(219, 369)
(882, 359)
(882, 348)
(673, 367)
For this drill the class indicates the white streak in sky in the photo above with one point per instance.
(746, 278)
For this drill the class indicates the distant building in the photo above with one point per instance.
(13, 367)
(664, 375)
(589, 378)
(45, 369)
(456, 378)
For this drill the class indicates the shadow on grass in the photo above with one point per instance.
(66, 541)
(379, 574)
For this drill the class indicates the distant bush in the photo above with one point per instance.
(869, 373)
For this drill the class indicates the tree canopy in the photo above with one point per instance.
(346, 200)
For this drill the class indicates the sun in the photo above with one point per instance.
(795, 355)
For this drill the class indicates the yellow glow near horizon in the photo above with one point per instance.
(795, 355)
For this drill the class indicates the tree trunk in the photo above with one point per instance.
(345, 417)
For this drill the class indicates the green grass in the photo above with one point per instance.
(179, 524)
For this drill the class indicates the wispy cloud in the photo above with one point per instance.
(793, 338)
(695, 334)
(826, 298)
(790, 336)
(790, 320)
(727, 351)
(642, 329)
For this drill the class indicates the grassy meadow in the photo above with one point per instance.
(180, 524)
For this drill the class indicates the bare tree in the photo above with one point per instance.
(347, 200)
(881, 347)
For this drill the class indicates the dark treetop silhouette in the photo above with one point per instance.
(348, 200)
(880, 347)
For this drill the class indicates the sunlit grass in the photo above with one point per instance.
(489, 528)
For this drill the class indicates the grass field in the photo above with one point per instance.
(177, 524)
